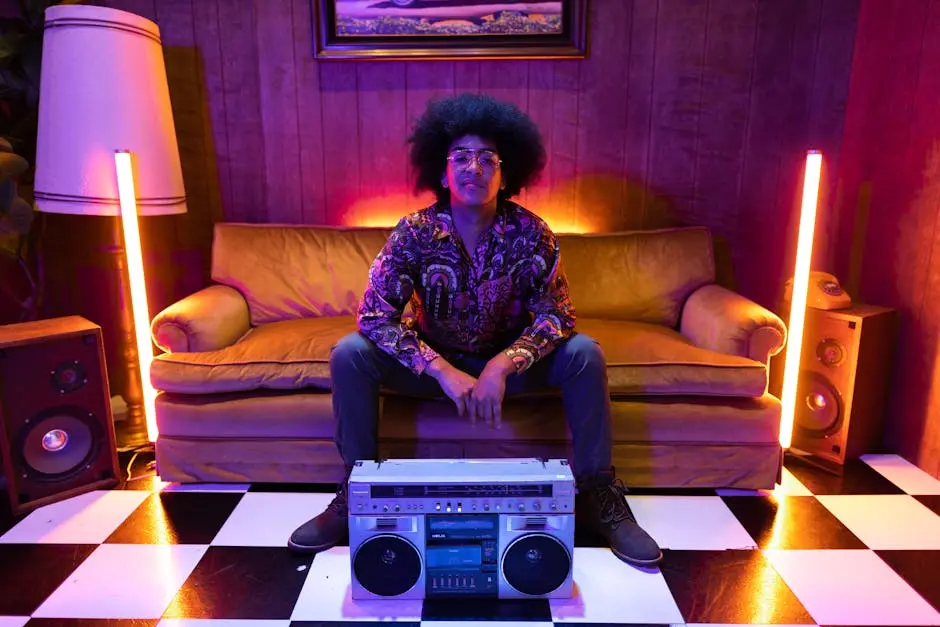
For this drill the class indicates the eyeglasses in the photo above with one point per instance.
(463, 159)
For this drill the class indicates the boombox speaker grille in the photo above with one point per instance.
(536, 564)
(387, 565)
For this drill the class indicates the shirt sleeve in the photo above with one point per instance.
(550, 304)
(389, 289)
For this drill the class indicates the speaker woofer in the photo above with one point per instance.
(536, 564)
(58, 443)
(387, 565)
(818, 405)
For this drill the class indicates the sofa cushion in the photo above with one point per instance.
(643, 359)
(287, 271)
(292, 354)
(649, 359)
(295, 271)
(644, 276)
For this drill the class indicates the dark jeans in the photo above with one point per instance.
(358, 369)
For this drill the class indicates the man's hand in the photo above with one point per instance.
(488, 393)
(455, 383)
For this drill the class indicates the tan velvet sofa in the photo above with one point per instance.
(244, 384)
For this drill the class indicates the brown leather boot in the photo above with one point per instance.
(329, 528)
(600, 507)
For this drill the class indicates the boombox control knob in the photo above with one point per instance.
(521, 507)
(537, 505)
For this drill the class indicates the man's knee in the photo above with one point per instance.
(353, 350)
(584, 351)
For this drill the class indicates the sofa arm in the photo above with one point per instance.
(718, 319)
(207, 320)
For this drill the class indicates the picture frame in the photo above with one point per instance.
(449, 29)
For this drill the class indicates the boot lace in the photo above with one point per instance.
(339, 504)
(611, 504)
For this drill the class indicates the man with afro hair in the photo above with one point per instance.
(492, 315)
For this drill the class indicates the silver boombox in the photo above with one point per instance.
(497, 528)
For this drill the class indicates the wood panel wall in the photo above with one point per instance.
(888, 238)
(686, 112)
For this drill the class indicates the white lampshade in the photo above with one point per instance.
(104, 88)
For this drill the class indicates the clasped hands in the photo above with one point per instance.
(480, 397)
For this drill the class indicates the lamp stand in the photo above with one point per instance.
(132, 432)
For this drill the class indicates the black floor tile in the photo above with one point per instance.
(920, 569)
(731, 586)
(856, 477)
(177, 518)
(320, 488)
(930, 500)
(31, 572)
(791, 522)
(92, 622)
(7, 520)
(486, 610)
(242, 583)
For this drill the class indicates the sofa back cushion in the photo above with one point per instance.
(644, 276)
(289, 271)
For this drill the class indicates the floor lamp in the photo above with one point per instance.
(107, 146)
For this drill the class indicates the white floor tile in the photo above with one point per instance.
(789, 486)
(886, 521)
(268, 519)
(13, 621)
(210, 622)
(903, 474)
(609, 591)
(123, 581)
(327, 595)
(489, 623)
(690, 522)
(851, 587)
(85, 519)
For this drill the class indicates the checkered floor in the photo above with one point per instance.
(859, 549)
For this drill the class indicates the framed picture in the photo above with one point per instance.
(449, 29)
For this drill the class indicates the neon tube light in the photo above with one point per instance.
(138, 285)
(804, 255)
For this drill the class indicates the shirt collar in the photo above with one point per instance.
(444, 221)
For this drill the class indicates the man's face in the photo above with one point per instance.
(473, 173)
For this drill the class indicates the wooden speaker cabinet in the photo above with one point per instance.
(56, 428)
(845, 370)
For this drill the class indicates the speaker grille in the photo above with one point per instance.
(536, 564)
(387, 565)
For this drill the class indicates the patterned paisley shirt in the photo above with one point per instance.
(510, 294)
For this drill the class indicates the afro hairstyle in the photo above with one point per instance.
(516, 136)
